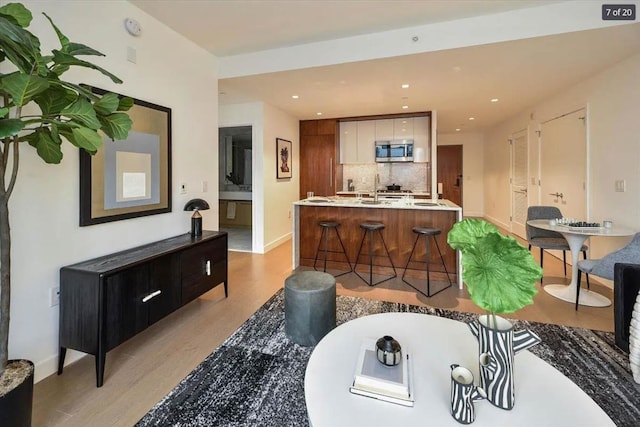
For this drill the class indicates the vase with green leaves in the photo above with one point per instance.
(39, 109)
(501, 276)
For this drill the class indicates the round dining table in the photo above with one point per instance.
(575, 237)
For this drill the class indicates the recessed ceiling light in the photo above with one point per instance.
(318, 113)
(404, 122)
(404, 107)
(457, 129)
(457, 69)
(295, 96)
(494, 99)
(472, 118)
(405, 86)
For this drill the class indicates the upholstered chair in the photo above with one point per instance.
(604, 267)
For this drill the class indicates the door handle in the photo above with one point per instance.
(208, 268)
(458, 179)
(557, 195)
(151, 295)
(523, 191)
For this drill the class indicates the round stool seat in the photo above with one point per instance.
(309, 306)
(427, 231)
(328, 224)
(372, 226)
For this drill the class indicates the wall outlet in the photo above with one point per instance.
(205, 186)
(183, 188)
(621, 186)
(54, 296)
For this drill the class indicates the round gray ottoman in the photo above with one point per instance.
(309, 306)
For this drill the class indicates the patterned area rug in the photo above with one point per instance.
(256, 377)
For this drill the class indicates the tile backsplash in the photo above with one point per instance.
(410, 176)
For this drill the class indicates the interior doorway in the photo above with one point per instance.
(519, 189)
(450, 172)
(235, 186)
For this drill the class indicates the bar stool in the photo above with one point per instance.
(327, 226)
(426, 232)
(370, 228)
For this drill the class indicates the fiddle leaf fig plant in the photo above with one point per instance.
(37, 107)
(500, 273)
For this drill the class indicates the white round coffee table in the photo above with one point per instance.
(544, 397)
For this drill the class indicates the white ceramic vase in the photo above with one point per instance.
(634, 341)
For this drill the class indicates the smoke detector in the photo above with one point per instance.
(133, 27)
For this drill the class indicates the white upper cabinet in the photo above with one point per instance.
(348, 142)
(357, 138)
(384, 130)
(421, 139)
(403, 128)
(366, 141)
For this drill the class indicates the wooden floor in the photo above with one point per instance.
(144, 369)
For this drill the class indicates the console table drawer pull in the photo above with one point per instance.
(151, 295)
(208, 268)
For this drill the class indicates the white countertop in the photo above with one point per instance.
(350, 202)
(389, 193)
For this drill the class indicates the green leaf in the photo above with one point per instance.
(4, 111)
(500, 273)
(22, 88)
(125, 104)
(107, 104)
(62, 58)
(86, 138)
(64, 40)
(80, 49)
(82, 111)
(46, 145)
(20, 14)
(116, 125)
(54, 100)
(10, 127)
(468, 232)
(20, 46)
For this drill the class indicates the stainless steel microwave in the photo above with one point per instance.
(394, 151)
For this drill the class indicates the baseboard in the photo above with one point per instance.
(504, 225)
(49, 366)
(274, 244)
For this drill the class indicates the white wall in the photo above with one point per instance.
(613, 130)
(472, 169)
(279, 194)
(272, 198)
(170, 71)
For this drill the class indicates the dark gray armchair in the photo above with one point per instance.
(545, 239)
(604, 267)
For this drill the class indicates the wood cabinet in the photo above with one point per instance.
(318, 157)
(107, 300)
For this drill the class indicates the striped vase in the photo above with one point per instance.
(463, 394)
(634, 340)
(498, 344)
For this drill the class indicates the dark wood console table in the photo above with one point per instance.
(107, 300)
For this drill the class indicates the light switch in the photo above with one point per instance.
(132, 55)
(621, 186)
(205, 186)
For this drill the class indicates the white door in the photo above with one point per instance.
(519, 172)
(563, 164)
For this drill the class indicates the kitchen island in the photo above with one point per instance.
(399, 217)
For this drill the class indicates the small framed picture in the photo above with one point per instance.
(284, 158)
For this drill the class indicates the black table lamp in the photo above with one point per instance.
(196, 205)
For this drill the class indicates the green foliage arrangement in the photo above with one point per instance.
(41, 109)
(500, 273)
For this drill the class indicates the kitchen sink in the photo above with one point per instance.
(426, 204)
(371, 202)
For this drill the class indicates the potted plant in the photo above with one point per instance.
(501, 277)
(39, 109)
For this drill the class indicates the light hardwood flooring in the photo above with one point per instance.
(144, 369)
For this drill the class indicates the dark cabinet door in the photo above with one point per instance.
(125, 313)
(318, 157)
(164, 278)
(202, 268)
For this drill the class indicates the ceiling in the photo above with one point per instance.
(458, 83)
